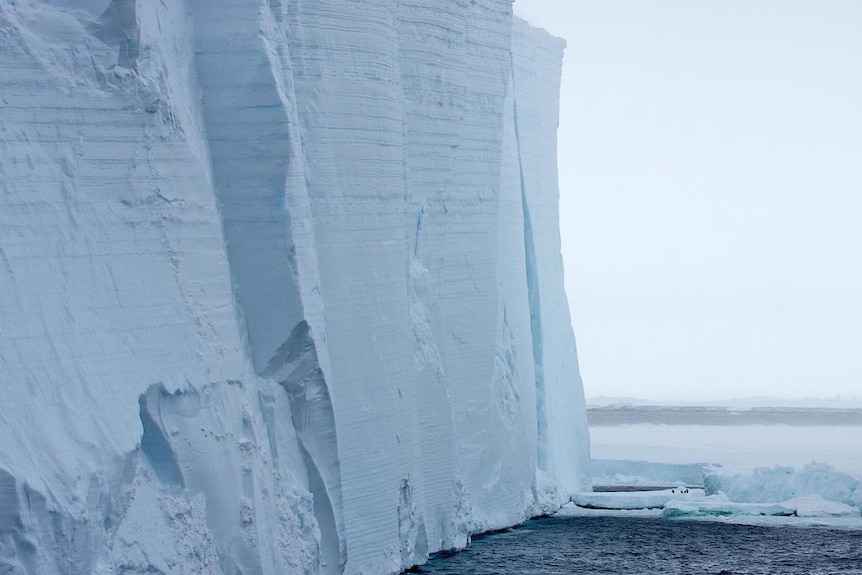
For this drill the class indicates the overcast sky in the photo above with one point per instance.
(711, 194)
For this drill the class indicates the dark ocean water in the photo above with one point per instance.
(629, 546)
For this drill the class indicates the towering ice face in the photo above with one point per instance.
(563, 444)
(280, 284)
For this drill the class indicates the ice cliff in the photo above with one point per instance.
(280, 284)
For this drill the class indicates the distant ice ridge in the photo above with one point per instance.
(620, 472)
(280, 284)
(759, 485)
(779, 483)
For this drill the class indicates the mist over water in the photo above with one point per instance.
(729, 437)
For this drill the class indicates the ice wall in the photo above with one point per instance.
(133, 436)
(536, 60)
(280, 284)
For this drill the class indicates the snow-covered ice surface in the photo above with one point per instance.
(280, 284)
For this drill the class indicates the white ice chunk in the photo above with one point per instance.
(636, 499)
(720, 506)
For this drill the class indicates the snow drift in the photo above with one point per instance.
(280, 284)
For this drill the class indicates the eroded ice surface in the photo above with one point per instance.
(280, 284)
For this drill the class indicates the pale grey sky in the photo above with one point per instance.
(711, 194)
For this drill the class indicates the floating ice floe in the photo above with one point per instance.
(720, 506)
(694, 503)
(635, 499)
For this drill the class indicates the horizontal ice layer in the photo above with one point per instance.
(280, 289)
(563, 441)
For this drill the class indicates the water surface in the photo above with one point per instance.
(634, 546)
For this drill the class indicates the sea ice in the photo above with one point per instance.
(636, 499)
(721, 506)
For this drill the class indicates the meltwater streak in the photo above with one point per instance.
(613, 545)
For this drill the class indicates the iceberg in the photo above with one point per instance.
(280, 284)
(780, 483)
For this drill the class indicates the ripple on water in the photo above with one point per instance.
(634, 546)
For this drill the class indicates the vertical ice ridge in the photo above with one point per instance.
(433, 79)
(470, 296)
(296, 368)
(533, 295)
(271, 246)
(254, 151)
(345, 63)
(536, 68)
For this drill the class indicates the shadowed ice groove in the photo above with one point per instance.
(154, 443)
(295, 367)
